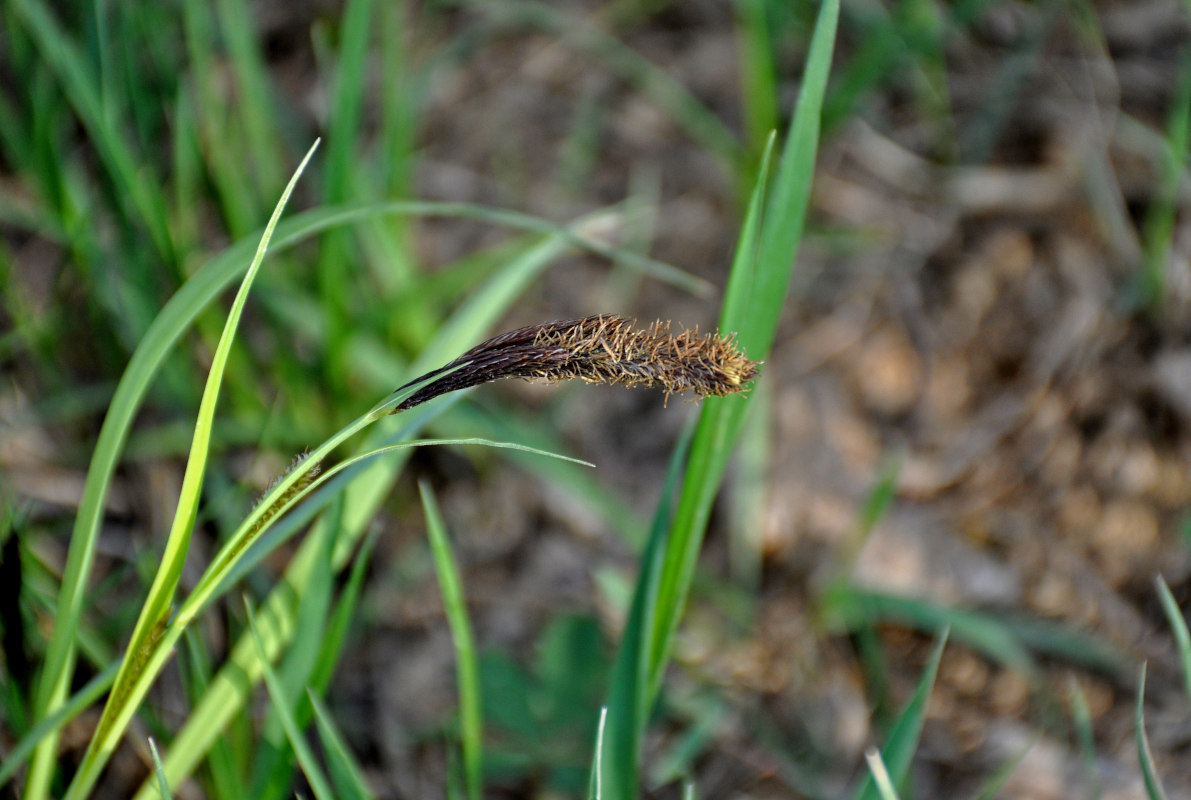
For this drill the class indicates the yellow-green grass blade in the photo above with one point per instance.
(467, 666)
(753, 302)
(904, 735)
(124, 700)
(281, 704)
(1145, 758)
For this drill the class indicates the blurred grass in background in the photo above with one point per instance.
(487, 165)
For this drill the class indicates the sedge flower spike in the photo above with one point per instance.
(599, 349)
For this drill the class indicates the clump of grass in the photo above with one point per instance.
(598, 349)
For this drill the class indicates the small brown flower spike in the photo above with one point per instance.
(600, 349)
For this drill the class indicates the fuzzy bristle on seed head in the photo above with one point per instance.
(599, 349)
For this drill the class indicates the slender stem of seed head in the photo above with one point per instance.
(599, 349)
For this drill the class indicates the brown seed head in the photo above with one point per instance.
(599, 349)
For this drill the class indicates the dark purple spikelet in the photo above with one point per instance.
(599, 349)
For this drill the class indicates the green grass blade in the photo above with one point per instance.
(294, 671)
(1081, 717)
(163, 786)
(1158, 231)
(1178, 624)
(124, 699)
(346, 774)
(297, 740)
(471, 724)
(903, 737)
(257, 108)
(653, 82)
(623, 718)
(759, 91)
(232, 684)
(134, 185)
(1145, 758)
(64, 713)
(752, 304)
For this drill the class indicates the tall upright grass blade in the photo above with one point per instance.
(146, 637)
(753, 302)
(467, 664)
(623, 718)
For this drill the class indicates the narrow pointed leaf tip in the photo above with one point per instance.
(599, 349)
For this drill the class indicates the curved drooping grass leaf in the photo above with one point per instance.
(129, 688)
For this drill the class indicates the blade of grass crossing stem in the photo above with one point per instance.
(880, 774)
(467, 666)
(306, 759)
(150, 624)
(1178, 624)
(623, 718)
(163, 786)
(752, 305)
(1145, 758)
(903, 737)
(346, 774)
